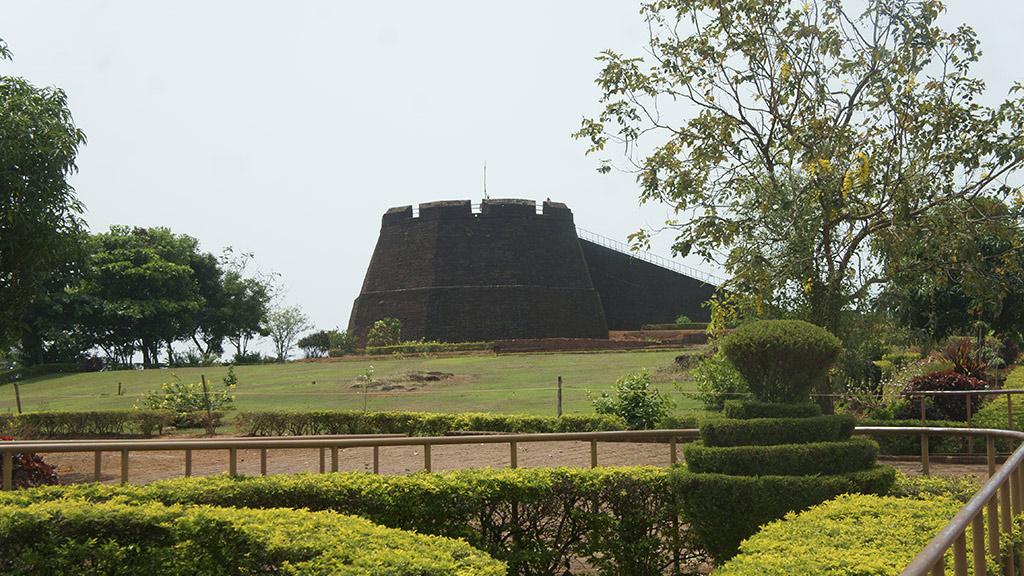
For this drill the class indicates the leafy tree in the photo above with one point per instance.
(247, 299)
(317, 344)
(797, 141)
(385, 332)
(39, 212)
(144, 290)
(967, 267)
(285, 325)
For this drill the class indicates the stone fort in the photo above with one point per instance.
(455, 272)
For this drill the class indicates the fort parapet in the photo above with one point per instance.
(508, 269)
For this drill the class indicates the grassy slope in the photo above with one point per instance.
(485, 383)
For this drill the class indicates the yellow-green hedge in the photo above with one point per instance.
(853, 535)
(620, 520)
(88, 538)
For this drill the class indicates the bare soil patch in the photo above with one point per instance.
(145, 467)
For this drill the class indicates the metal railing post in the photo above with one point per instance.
(427, 464)
(97, 465)
(513, 457)
(124, 466)
(188, 463)
(263, 461)
(8, 482)
(1004, 522)
(978, 544)
(593, 453)
(925, 464)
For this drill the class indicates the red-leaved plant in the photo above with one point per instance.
(30, 470)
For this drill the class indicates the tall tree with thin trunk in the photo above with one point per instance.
(800, 143)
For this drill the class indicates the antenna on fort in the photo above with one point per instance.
(485, 181)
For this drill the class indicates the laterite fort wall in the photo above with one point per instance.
(634, 292)
(507, 272)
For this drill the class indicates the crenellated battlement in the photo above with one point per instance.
(487, 208)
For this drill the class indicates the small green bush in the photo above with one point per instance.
(717, 381)
(768, 431)
(286, 423)
(747, 409)
(636, 401)
(385, 332)
(26, 372)
(845, 537)
(782, 360)
(95, 424)
(783, 459)
(88, 538)
(960, 488)
(724, 510)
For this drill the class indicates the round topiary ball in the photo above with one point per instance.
(782, 360)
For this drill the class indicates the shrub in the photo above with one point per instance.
(620, 520)
(717, 381)
(769, 431)
(965, 358)
(747, 409)
(341, 342)
(24, 373)
(1009, 350)
(283, 423)
(189, 399)
(960, 488)
(429, 347)
(783, 459)
(30, 470)
(77, 537)
(637, 402)
(943, 407)
(782, 360)
(316, 344)
(844, 537)
(99, 423)
(385, 332)
(911, 444)
(724, 510)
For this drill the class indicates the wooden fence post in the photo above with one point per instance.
(559, 396)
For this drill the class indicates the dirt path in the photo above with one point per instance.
(146, 467)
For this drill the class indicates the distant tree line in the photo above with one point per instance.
(137, 291)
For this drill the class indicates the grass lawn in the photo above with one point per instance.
(519, 383)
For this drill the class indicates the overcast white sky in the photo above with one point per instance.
(287, 128)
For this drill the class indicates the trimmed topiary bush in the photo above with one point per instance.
(725, 510)
(769, 431)
(792, 459)
(782, 360)
(748, 409)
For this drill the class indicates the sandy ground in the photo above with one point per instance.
(148, 466)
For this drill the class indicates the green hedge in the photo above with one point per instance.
(783, 459)
(284, 423)
(768, 431)
(748, 409)
(620, 520)
(910, 444)
(679, 326)
(724, 510)
(97, 423)
(87, 538)
(19, 374)
(853, 535)
(429, 347)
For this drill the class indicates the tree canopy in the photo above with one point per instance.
(802, 145)
(40, 216)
